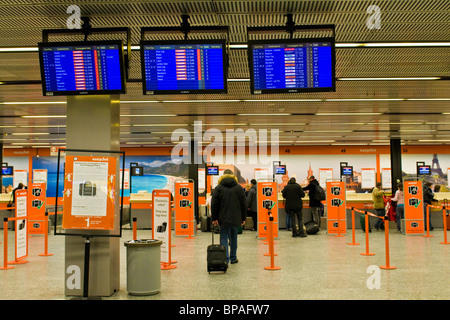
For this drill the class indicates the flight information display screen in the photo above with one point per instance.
(79, 68)
(292, 65)
(174, 67)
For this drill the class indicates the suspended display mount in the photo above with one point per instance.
(188, 66)
(100, 70)
(292, 65)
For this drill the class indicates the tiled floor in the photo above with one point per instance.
(317, 267)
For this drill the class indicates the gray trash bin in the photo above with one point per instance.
(143, 266)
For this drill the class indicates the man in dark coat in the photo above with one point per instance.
(293, 193)
(228, 210)
(252, 204)
(314, 204)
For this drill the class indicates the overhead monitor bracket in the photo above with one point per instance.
(291, 28)
(87, 30)
(185, 28)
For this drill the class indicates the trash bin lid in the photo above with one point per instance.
(142, 243)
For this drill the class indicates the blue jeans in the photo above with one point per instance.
(288, 221)
(229, 233)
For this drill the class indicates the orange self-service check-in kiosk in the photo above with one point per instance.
(336, 214)
(413, 193)
(184, 208)
(267, 197)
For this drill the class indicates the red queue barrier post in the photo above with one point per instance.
(353, 243)
(444, 218)
(134, 228)
(46, 254)
(271, 246)
(5, 246)
(367, 253)
(386, 238)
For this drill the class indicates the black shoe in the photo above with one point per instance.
(234, 261)
(303, 236)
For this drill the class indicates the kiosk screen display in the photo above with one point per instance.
(213, 170)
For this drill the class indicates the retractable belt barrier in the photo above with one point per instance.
(444, 220)
(6, 263)
(270, 239)
(353, 243)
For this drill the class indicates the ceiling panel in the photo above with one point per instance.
(409, 109)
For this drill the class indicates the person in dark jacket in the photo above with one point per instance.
(228, 210)
(293, 193)
(314, 204)
(428, 198)
(252, 205)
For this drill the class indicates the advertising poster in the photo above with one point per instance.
(36, 207)
(89, 193)
(368, 178)
(161, 222)
(336, 214)
(325, 174)
(40, 175)
(386, 178)
(20, 176)
(413, 192)
(184, 208)
(21, 225)
(267, 198)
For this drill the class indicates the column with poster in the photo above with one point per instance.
(161, 222)
(89, 193)
(414, 210)
(184, 209)
(336, 212)
(36, 208)
(21, 240)
(267, 198)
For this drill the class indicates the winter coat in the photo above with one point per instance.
(252, 205)
(312, 193)
(293, 193)
(377, 198)
(228, 203)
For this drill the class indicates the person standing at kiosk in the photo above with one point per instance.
(293, 193)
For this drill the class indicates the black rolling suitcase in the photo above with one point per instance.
(216, 257)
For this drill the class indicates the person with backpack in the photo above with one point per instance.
(293, 193)
(316, 195)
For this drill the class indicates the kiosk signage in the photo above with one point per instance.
(21, 225)
(89, 191)
(184, 208)
(336, 214)
(413, 191)
(161, 222)
(36, 208)
(267, 198)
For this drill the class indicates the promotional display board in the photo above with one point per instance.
(368, 178)
(267, 197)
(161, 222)
(386, 178)
(414, 222)
(21, 225)
(40, 175)
(20, 176)
(336, 215)
(325, 174)
(36, 207)
(184, 208)
(89, 192)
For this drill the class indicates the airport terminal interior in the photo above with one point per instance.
(121, 122)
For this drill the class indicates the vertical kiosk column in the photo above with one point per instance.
(93, 123)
